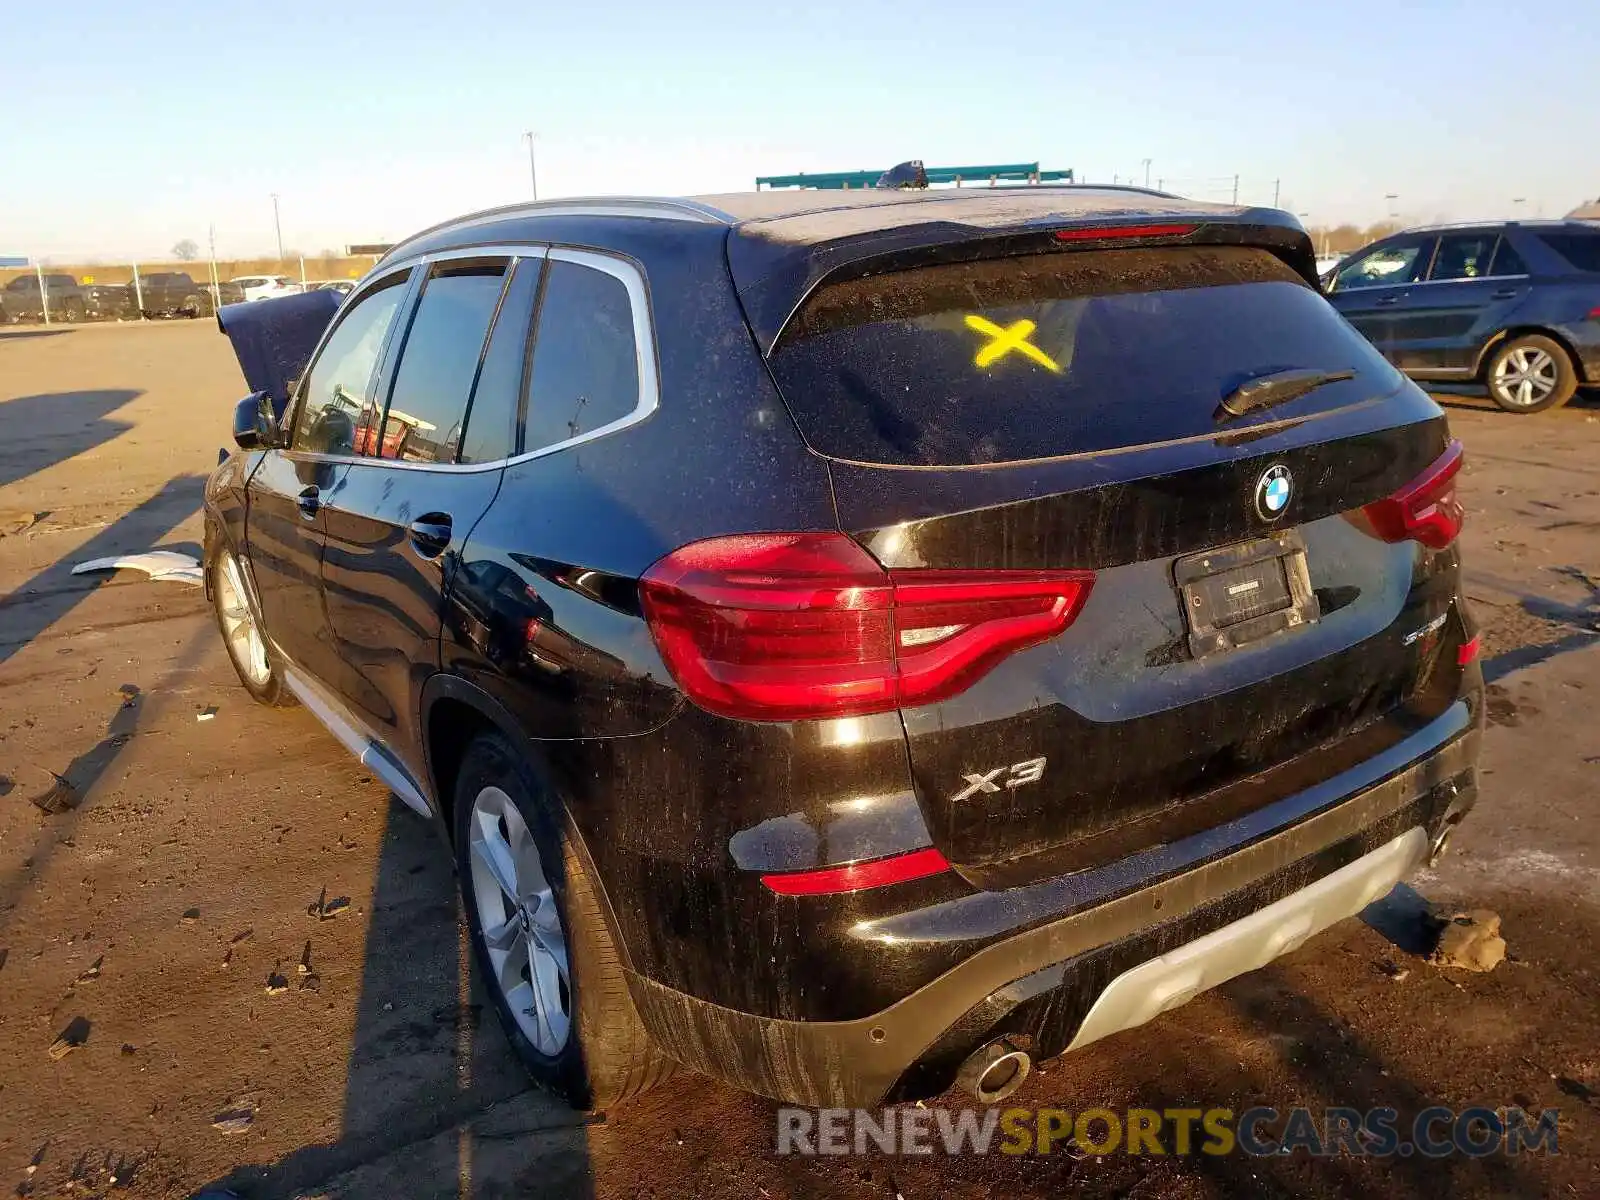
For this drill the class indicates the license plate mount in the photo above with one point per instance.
(1240, 594)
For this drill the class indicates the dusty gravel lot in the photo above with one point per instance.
(153, 916)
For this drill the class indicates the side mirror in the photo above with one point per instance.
(255, 425)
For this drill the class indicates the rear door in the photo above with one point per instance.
(289, 490)
(1371, 287)
(433, 446)
(1245, 634)
(1441, 323)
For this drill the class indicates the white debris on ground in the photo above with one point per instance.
(163, 566)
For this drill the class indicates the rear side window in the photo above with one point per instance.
(439, 362)
(492, 420)
(585, 372)
(1507, 261)
(1053, 354)
(1582, 250)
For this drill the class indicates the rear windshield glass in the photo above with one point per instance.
(1052, 354)
(1582, 250)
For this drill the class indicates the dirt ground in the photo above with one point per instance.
(156, 920)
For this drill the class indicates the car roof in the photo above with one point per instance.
(1553, 223)
(801, 216)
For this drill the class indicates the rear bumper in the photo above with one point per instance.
(1239, 896)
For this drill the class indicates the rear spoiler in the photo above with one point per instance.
(274, 339)
(774, 278)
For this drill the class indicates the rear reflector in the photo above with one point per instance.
(1467, 652)
(788, 626)
(857, 877)
(1098, 233)
(1426, 509)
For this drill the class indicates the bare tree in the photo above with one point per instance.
(186, 250)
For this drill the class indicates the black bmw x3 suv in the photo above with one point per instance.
(858, 642)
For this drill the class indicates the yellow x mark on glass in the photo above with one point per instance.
(1004, 341)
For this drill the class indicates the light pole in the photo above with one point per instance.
(533, 167)
(1146, 172)
(1394, 212)
(1516, 211)
(277, 225)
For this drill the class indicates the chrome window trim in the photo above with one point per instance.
(631, 277)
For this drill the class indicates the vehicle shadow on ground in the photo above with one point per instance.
(433, 1089)
(1476, 396)
(54, 592)
(1582, 618)
(37, 432)
(17, 335)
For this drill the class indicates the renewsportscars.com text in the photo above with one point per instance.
(1377, 1133)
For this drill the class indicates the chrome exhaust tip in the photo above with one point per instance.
(992, 1072)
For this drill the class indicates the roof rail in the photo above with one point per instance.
(671, 208)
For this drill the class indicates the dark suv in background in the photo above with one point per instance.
(22, 300)
(855, 642)
(1513, 305)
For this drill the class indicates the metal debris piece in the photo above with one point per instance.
(163, 566)
(48, 792)
(234, 1120)
(69, 1039)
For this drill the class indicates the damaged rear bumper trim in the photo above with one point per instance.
(858, 1062)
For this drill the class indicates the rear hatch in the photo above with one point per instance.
(1260, 614)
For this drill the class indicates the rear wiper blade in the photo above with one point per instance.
(1266, 390)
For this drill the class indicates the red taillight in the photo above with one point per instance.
(879, 872)
(1426, 509)
(1095, 233)
(787, 626)
(1467, 652)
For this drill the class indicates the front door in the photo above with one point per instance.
(432, 448)
(1372, 286)
(286, 522)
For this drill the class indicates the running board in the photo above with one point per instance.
(367, 750)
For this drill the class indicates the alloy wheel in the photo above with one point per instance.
(1525, 376)
(239, 626)
(520, 922)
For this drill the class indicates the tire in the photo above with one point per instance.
(193, 307)
(1530, 374)
(604, 1055)
(235, 610)
(72, 310)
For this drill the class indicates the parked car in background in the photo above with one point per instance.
(1513, 305)
(266, 287)
(343, 286)
(21, 299)
(108, 301)
(772, 738)
(172, 294)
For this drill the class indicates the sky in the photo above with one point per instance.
(130, 127)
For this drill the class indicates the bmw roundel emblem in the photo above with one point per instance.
(1273, 491)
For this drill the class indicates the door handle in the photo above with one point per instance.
(1386, 301)
(309, 501)
(430, 534)
(1505, 294)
